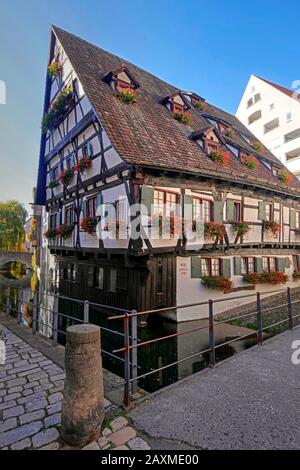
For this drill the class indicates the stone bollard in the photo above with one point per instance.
(82, 406)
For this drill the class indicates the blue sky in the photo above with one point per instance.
(208, 47)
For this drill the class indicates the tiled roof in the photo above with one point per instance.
(145, 133)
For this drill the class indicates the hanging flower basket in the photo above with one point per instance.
(183, 117)
(257, 146)
(126, 94)
(88, 225)
(217, 282)
(285, 177)
(200, 105)
(58, 109)
(53, 184)
(296, 275)
(82, 164)
(50, 233)
(54, 69)
(66, 176)
(65, 230)
(240, 228)
(221, 158)
(214, 231)
(272, 227)
(249, 161)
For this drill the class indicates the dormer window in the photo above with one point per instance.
(211, 146)
(275, 171)
(123, 84)
(178, 108)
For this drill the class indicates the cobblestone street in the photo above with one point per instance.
(31, 388)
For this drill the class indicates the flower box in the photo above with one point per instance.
(249, 161)
(126, 94)
(221, 158)
(285, 177)
(273, 277)
(54, 69)
(50, 233)
(65, 230)
(213, 230)
(240, 228)
(272, 227)
(66, 176)
(182, 117)
(82, 164)
(88, 225)
(217, 282)
(58, 110)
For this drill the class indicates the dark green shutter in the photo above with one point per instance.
(292, 219)
(218, 212)
(226, 271)
(229, 209)
(84, 209)
(237, 266)
(261, 210)
(295, 262)
(196, 271)
(147, 199)
(287, 262)
(281, 265)
(259, 265)
(187, 205)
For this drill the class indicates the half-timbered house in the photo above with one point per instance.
(113, 134)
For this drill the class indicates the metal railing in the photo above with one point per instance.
(129, 334)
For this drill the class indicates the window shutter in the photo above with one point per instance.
(287, 262)
(292, 219)
(281, 265)
(147, 199)
(229, 209)
(237, 265)
(196, 271)
(295, 262)
(259, 265)
(226, 271)
(261, 210)
(99, 202)
(218, 212)
(84, 209)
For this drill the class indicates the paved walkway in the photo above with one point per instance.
(31, 388)
(250, 401)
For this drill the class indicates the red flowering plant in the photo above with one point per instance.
(274, 277)
(88, 225)
(65, 230)
(50, 233)
(220, 157)
(54, 69)
(273, 227)
(183, 117)
(82, 164)
(240, 228)
(249, 161)
(252, 278)
(126, 94)
(217, 282)
(213, 230)
(66, 176)
(285, 177)
(296, 275)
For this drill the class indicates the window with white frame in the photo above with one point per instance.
(269, 212)
(70, 161)
(269, 264)
(211, 266)
(165, 203)
(202, 210)
(248, 265)
(297, 220)
(69, 215)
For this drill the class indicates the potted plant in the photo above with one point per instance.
(50, 233)
(229, 133)
(200, 105)
(82, 164)
(53, 184)
(249, 161)
(54, 69)
(182, 117)
(213, 230)
(126, 94)
(66, 176)
(88, 225)
(273, 227)
(58, 109)
(252, 278)
(285, 177)
(240, 228)
(220, 157)
(257, 146)
(65, 230)
(217, 282)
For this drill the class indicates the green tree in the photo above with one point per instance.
(12, 219)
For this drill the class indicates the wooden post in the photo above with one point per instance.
(83, 399)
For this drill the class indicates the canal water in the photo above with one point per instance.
(14, 276)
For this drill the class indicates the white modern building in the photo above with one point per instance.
(272, 113)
